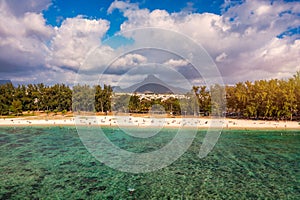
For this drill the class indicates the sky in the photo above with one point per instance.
(110, 42)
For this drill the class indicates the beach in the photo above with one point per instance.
(131, 121)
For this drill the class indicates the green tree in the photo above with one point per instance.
(216, 102)
(273, 99)
(296, 80)
(83, 98)
(134, 104)
(103, 98)
(120, 103)
(203, 100)
(172, 106)
(16, 107)
(6, 97)
(189, 104)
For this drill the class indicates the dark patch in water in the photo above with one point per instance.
(25, 155)
(93, 163)
(14, 145)
(6, 195)
(9, 194)
(89, 180)
(3, 142)
(9, 187)
(96, 189)
(52, 156)
(59, 187)
(102, 187)
(28, 170)
(67, 181)
(82, 187)
(179, 173)
(35, 186)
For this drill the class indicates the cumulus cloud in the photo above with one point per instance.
(235, 39)
(243, 41)
(22, 40)
(106, 61)
(176, 63)
(29, 46)
(121, 5)
(279, 58)
(129, 60)
(74, 39)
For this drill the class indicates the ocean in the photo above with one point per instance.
(53, 163)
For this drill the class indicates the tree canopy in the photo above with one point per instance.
(261, 99)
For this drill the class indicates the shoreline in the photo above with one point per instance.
(146, 122)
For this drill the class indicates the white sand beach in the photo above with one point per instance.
(151, 122)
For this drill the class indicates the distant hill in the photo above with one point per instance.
(151, 84)
(2, 82)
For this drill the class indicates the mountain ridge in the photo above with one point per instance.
(151, 84)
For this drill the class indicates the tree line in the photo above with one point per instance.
(273, 99)
(262, 99)
(57, 98)
(134, 104)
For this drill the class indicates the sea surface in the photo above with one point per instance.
(52, 163)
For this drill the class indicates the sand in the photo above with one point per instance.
(132, 121)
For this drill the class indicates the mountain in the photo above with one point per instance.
(2, 82)
(151, 84)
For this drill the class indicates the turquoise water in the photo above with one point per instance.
(52, 163)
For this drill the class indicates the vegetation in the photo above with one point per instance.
(56, 98)
(135, 104)
(273, 99)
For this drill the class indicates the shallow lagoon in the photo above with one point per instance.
(52, 163)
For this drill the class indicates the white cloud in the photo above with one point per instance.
(121, 5)
(29, 47)
(130, 60)
(124, 63)
(221, 57)
(176, 63)
(22, 39)
(74, 40)
(36, 26)
(240, 35)
(242, 40)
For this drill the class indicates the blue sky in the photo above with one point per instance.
(61, 9)
(51, 41)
